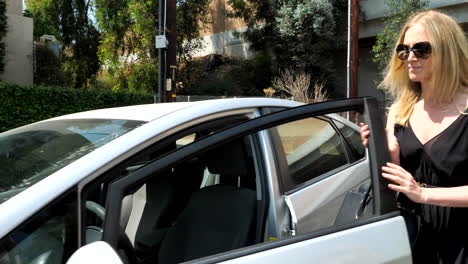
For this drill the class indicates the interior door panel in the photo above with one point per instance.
(318, 205)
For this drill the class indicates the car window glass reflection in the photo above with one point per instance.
(31, 153)
(312, 148)
(48, 237)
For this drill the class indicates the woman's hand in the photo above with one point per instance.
(365, 132)
(403, 182)
(392, 142)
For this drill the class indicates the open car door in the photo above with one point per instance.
(379, 238)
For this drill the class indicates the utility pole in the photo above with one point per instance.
(171, 51)
(161, 44)
(353, 51)
(354, 48)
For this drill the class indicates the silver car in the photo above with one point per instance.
(249, 180)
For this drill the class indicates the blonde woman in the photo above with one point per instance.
(427, 133)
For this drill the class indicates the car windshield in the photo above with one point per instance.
(31, 153)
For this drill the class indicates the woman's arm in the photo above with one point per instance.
(404, 182)
(393, 147)
(392, 142)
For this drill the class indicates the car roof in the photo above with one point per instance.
(149, 112)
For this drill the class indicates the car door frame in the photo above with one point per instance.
(288, 190)
(384, 199)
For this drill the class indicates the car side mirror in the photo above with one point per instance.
(96, 252)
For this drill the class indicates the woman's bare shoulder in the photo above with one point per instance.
(391, 115)
(392, 111)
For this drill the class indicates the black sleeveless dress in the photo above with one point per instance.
(441, 162)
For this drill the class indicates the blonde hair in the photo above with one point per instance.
(450, 64)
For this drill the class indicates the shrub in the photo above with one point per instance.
(227, 76)
(298, 85)
(21, 105)
(144, 78)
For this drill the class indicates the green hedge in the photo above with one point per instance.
(21, 105)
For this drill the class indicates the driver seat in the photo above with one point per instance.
(217, 218)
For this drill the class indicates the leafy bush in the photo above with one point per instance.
(298, 34)
(144, 77)
(227, 76)
(138, 77)
(251, 76)
(21, 105)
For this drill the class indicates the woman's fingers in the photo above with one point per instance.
(396, 167)
(396, 188)
(398, 175)
(402, 181)
(393, 178)
(365, 132)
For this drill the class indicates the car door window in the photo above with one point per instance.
(186, 140)
(139, 207)
(353, 138)
(312, 148)
(184, 218)
(50, 236)
(323, 183)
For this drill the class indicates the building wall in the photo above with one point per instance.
(219, 37)
(19, 46)
(225, 43)
(374, 11)
(15, 7)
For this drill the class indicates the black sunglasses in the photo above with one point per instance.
(422, 50)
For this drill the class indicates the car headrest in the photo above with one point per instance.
(228, 159)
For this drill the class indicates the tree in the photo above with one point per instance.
(191, 17)
(297, 34)
(129, 28)
(43, 13)
(307, 31)
(69, 21)
(397, 13)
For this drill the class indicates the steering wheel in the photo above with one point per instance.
(97, 209)
(94, 233)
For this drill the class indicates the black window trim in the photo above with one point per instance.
(349, 147)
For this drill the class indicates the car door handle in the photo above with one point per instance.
(292, 229)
